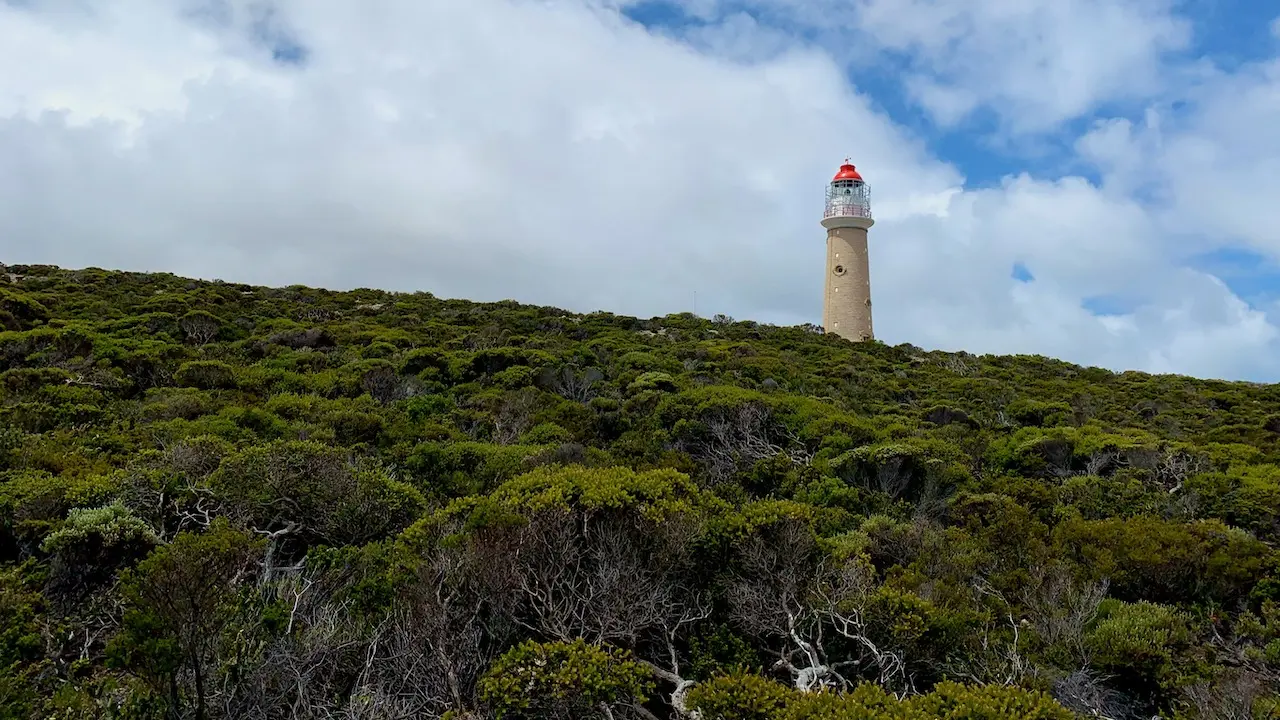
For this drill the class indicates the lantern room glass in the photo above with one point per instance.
(848, 198)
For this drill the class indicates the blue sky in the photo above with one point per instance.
(1227, 32)
(1232, 31)
(1094, 180)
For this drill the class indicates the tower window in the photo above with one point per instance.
(838, 270)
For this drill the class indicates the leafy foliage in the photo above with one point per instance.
(227, 501)
(561, 680)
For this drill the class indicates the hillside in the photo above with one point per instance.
(224, 501)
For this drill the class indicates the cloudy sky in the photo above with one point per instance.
(1096, 180)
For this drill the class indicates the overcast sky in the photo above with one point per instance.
(1095, 180)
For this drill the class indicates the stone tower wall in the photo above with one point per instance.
(846, 307)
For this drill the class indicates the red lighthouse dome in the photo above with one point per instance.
(847, 172)
(848, 195)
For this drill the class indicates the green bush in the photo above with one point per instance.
(740, 696)
(386, 492)
(561, 680)
(92, 544)
(206, 375)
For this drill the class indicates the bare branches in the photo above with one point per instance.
(998, 660)
(1168, 468)
(893, 475)
(170, 493)
(691, 613)
(571, 383)
(294, 675)
(199, 326)
(1100, 461)
(609, 579)
(1175, 467)
(1235, 695)
(384, 385)
(1087, 695)
(957, 364)
(744, 434)
(96, 378)
(784, 591)
(419, 659)
(515, 415)
(274, 538)
(1060, 608)
(603, 581)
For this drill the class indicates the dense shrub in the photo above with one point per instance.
(225, 501)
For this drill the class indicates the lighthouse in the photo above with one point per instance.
(846, 303)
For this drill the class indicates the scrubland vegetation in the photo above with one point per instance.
(223, 501)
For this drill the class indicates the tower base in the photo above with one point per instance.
(846, 307)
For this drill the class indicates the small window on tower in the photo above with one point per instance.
(838, 270)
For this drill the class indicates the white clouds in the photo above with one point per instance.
(104, 60)
(951, 283)
(578, 162)
(555, 153)
(1222, 165)
(1213, 167)
(1035, 63)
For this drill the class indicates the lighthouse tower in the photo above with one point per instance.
(846, 303)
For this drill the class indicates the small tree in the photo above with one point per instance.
(200, 326)
(176, 605)
(382, 383)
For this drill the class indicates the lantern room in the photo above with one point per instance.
(848, 195)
